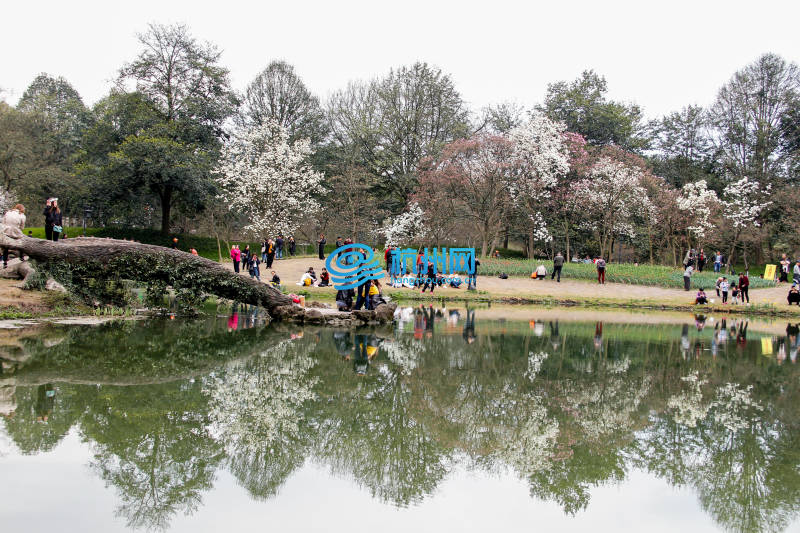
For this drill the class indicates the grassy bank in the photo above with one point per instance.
(628, 273)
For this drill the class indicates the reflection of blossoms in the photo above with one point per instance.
(606, 407)
(535, 361)
(405, 355)
(528, 444)
(257, 402)
(731, 405)
(617, 366)
(688, 405)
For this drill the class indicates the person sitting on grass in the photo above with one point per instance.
(541, 272)
(306, 280)
(276, 280)
(701, 297)
(454, 281)
(794, 295)
(324, 278)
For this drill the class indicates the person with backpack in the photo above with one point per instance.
(558, 264)
(600, 264)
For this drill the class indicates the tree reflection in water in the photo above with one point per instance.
(565, 406)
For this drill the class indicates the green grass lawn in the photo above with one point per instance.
(656, 275)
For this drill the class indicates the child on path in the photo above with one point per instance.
(723, 287)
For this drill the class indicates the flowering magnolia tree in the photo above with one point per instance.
(698, 201)
(472, 177)
(404, 228)
(743, 204)
(612, 193)
(541, 157)
(268, 180)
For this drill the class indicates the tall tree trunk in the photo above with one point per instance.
(166, 208)
(505, 239)
(566, 238)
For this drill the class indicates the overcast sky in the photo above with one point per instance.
(662, 57)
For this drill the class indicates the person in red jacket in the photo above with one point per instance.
(744, 287)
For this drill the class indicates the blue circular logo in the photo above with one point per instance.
(351, 265)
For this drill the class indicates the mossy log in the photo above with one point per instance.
(90, 257)
(146, 263)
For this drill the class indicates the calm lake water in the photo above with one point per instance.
(451, 420)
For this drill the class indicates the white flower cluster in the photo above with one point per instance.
(535, 361)
(264, 177)
(541, 157)
(405, 355)
(613, 194)
(688, 406)
(732, 404)
(256, 403)
(404, 228)
(698, 200)
(608, 406)
(529, 444)
(743, 201)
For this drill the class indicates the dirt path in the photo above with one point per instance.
(290, 271)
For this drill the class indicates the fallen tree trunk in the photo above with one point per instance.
(145, 263)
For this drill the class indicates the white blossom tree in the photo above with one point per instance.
(541, 157)
(698, 202)
(404, 228)
(744, 203)
(267, 178)
(612, 193)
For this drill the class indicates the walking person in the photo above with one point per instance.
(687, 275)
(264, 246)
(270, 252)
(321, 246)
(52, 220)
(236, 256)
(14, 218)
(558, 264)
(472, 274)
(717, 261)
(430, 277)
(279, 242)
(744, 287)
(600, 264)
